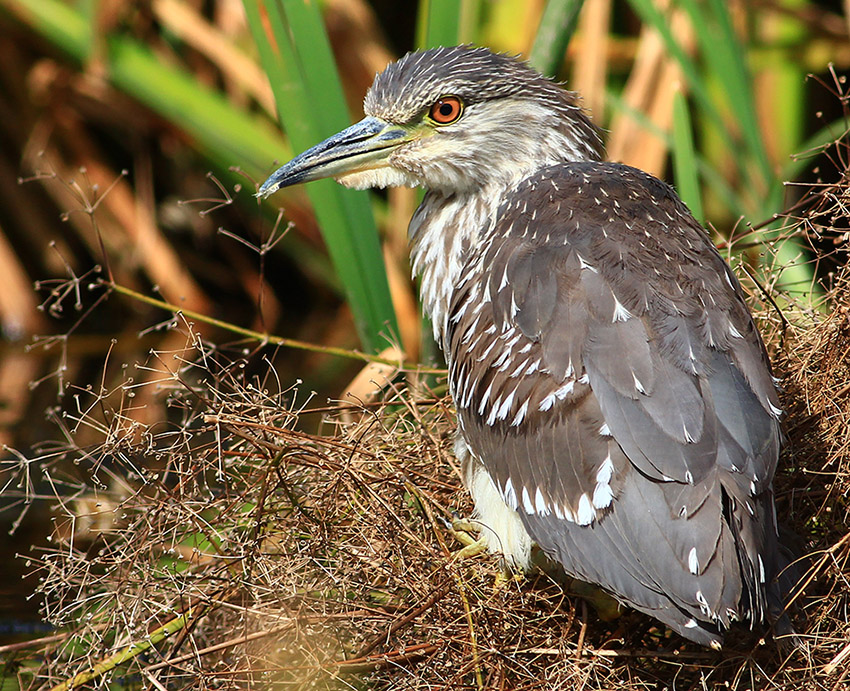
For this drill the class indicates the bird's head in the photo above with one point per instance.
(451, 120)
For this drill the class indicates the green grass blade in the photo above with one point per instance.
(723, 47)
(652, 16)
(203, 113)
(684, 157)
(297, 58)
(471, 16)
(557, 26)
(447, 22)
(698, 81)
(229, 137)
(724, 56)
(226, 135)
(733, 62)
(727, 61)
(709, 174)
(315, 62)
(835, 131)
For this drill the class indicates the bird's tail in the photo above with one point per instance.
(770, 577)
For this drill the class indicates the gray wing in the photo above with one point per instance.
(609, 376)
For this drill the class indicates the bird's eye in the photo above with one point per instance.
(446, 110)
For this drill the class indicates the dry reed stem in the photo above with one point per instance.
(651, 86)
(234, 64)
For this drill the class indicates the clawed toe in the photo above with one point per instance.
(464, 532)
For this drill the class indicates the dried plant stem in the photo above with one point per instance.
(473, 635)
(396, 657)
(218, 646)
(266, 338)
(33, 643)
(461, 586)
(403, 621)
(156, 636)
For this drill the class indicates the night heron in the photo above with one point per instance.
(615, 402)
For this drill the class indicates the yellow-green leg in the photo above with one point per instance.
(607, 608)
(463, 532)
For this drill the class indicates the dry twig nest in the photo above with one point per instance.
(228, 547)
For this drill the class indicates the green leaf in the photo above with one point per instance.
(727, 60)
(223, 133)
(309, 99)
(684, 157)
(722, 60)
(297, 57)
(557, 26)
(447, 22)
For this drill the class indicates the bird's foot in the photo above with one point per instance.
(463, 531)
(607, 608)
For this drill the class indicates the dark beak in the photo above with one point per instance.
(363, 146)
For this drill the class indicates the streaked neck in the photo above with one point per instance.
(442, 231)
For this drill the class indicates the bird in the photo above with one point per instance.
(616, 407)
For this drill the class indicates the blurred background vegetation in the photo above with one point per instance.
(133, 137)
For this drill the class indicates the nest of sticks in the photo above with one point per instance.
(225, 547)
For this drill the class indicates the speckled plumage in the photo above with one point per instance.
(609, 380)
(609, 377)
(615, 402)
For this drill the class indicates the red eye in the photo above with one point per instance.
(446, 110)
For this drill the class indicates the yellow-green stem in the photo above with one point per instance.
(267, 338)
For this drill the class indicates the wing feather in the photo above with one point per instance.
(610, 378)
